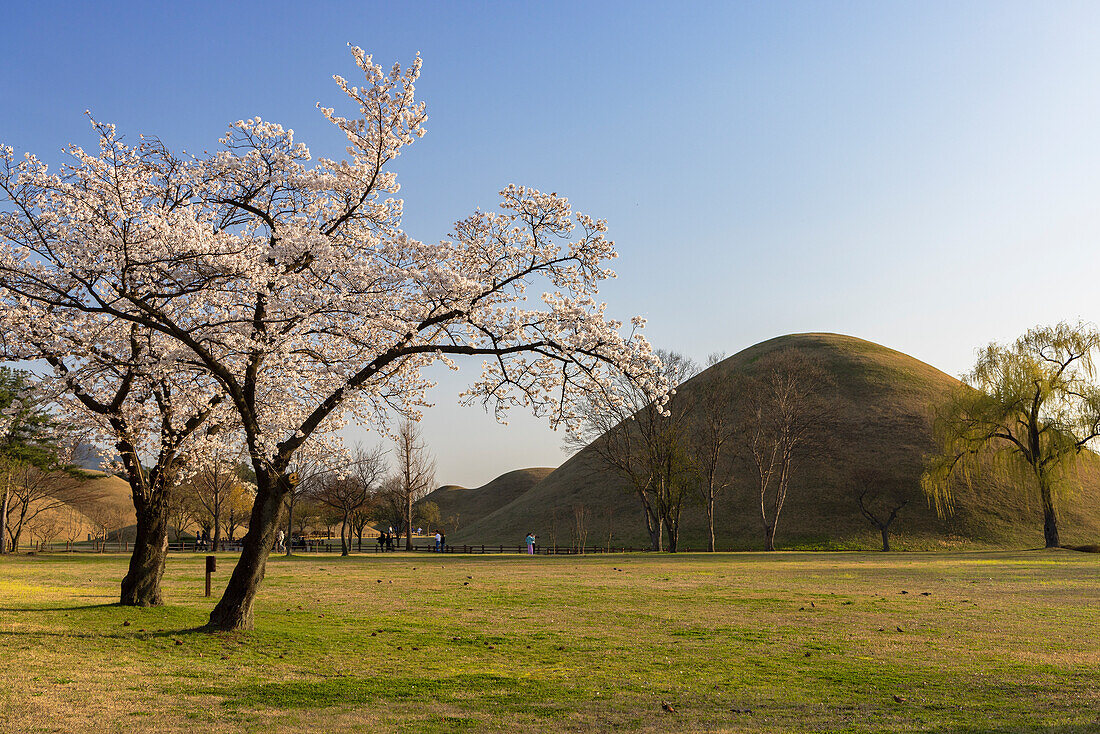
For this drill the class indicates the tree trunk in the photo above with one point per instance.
(1050, 514)
(141, 585)
(885, 537)
(409, 522)
(234, 610)
(652, 525)
(4, 514)
(769, 537)
(672, 530)
(289, 526)
(217, 530)
(710, 523)
(345, 537)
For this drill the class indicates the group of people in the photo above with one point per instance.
(440, 542)
(385, 540)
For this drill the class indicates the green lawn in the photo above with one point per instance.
(1001, 642)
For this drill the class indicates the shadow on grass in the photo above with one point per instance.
(128, 634)
(79, 608)
(136, 635)
(478, 690)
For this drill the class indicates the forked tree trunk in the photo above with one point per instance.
(769, 537)
(234, 610)
(1050, 513)
(653, 525)
(672, 529)
(141, 585)
(885, 537)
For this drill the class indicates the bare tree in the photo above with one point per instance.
(180, 511)
(786, 421)
(213, 486)
(307, 515)
(712, 436)
(352, 491)
(581, 516)
(880, 505)
(389, 508)
(309, 470)
(34, 491)
(73, 526)
(415, 469)
(45, 527)
(644, 441)
(360, 519)
(452, 522)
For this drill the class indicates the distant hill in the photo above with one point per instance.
(469, 505)
(883, 399)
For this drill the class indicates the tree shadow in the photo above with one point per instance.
(61, 609)
(130, 633)
(137, 634)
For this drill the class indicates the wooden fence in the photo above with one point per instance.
(330, 546)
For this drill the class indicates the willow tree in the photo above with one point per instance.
(1031, 404)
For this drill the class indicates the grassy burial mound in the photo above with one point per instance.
(56, 509)
(882, 406)
(460, 506)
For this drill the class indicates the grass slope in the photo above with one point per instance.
(790, 642)
(469, 505)
(883, 399)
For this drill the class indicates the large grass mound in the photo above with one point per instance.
(882, 401)
(459, 506)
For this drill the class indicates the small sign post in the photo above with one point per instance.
(211, 567)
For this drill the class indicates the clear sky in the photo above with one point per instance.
(924, 175)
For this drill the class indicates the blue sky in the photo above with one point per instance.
(923, 175)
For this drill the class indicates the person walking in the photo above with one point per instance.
(438, 541)
(381, 540)
(530, 544)
(443, 543)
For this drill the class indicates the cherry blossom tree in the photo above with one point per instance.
(119, 383)
(292, 285)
